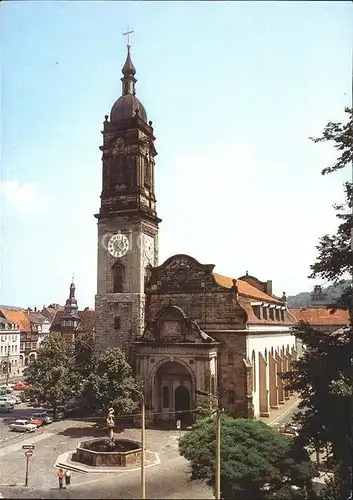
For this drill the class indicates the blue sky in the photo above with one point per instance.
(234, 90)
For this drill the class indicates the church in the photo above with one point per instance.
(183, 327)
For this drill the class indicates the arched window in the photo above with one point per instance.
(265, 354)
(253, 362)
(165, 397)
(230, 359)
(118, 278)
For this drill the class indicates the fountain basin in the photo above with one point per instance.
(99, 452)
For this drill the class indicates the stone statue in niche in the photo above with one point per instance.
(148, 335)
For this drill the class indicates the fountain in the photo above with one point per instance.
(111, 452)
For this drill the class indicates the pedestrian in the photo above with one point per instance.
(61, 478)
(67, 477)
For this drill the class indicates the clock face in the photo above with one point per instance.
(118, 245)
(149, 248)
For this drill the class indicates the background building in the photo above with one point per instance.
(9, 347)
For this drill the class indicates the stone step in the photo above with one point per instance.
(60, 465)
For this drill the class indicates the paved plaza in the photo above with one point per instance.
(167, 477)
(170, 479)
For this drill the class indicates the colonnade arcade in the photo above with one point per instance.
(268, 386)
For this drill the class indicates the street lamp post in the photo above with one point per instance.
(143, 426)
(218, 443)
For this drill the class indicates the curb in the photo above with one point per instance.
(64, 462)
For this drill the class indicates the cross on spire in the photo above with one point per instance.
(128, 33)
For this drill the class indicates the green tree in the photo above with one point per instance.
(111, 384)
(323, 376)
(84, 355)
(256, 460)
(50, 376)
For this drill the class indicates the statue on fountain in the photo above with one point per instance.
(111, 425)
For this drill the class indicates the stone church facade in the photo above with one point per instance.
(183, 327)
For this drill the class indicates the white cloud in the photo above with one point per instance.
(23, 198)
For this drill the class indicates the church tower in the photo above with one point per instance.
(127, 219)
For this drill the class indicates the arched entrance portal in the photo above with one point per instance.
(182, 403)
(172, 392)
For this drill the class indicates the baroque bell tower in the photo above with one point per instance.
(127, 219)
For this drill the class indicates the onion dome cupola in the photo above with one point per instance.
(127, 104)
(71, 306)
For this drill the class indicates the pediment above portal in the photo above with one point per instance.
(172, 325)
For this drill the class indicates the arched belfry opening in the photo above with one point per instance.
(118, 278)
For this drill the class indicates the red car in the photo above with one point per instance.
(35, 421)
(20, 386)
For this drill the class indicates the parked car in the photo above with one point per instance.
(290, 428)
(9, 397)
(47, 419)
(38, 422)
(20, 386)
(9, 401)
(6, 389)
(59, 414)
(22, 426)
(5, 407)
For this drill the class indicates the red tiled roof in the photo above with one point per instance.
(289, 319)
(18, 317)
(244, 288)
(321, 316)
(88, 321)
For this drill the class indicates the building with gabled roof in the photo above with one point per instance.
(325, 319)
(182, 327)
(28, 349)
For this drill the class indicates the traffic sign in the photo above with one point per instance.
(28, 453)
(27, 447)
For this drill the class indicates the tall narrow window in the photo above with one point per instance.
(231, 397)
(253, 362)
(230, 359)
(165, 397)
(117, 323)
(118, 278)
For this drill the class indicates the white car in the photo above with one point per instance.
(8, 399)
(22, 426)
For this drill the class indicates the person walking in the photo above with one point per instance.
(61, 478)
(67, 478)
